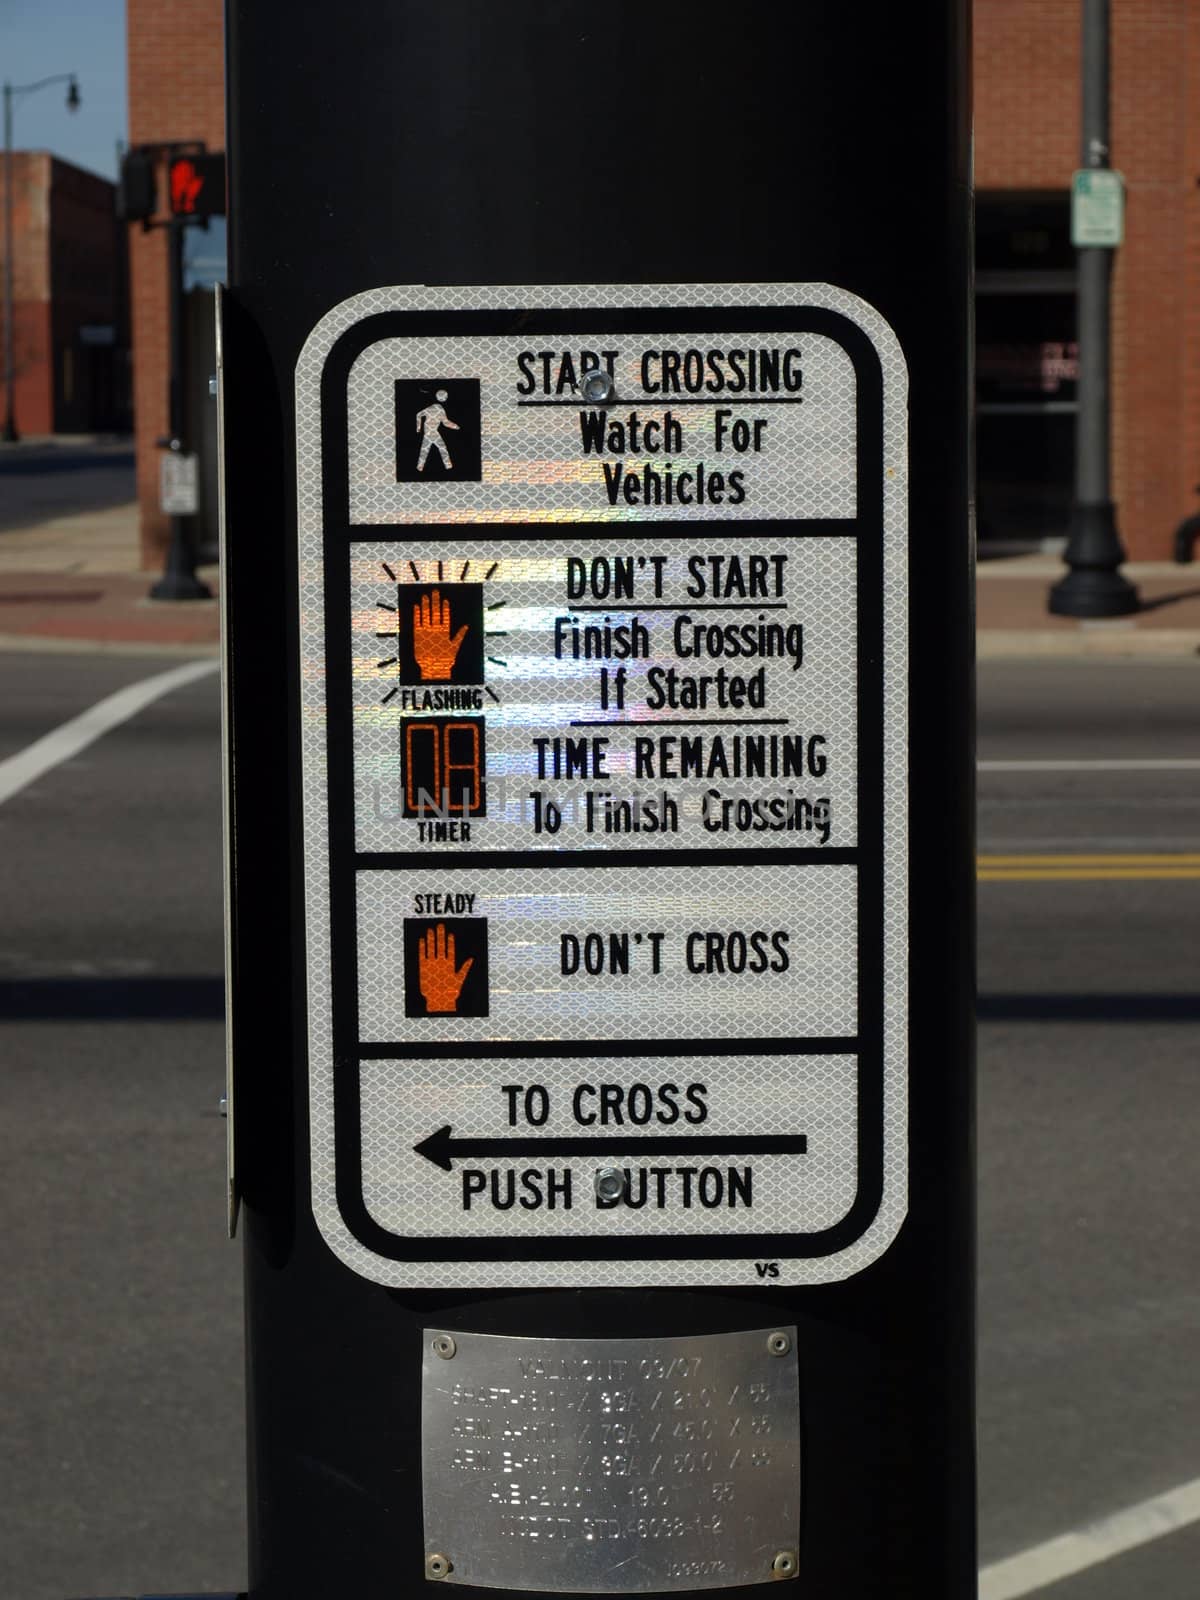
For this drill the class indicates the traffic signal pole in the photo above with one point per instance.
(179, 580)
(598, 583)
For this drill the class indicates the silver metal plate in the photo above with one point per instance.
(611, 1466)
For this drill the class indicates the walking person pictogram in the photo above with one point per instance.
(427, 412)
(431, 420)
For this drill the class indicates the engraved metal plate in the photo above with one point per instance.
(611, 1466)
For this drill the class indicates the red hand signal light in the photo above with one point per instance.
(186, 184)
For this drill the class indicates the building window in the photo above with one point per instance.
(1026, 365)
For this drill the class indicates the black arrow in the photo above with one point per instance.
(442, 1148)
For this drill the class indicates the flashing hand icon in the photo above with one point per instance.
(440, 984)
(433, 648)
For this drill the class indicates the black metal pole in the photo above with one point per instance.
(179, 580)
(1094, 587)
(628, 144)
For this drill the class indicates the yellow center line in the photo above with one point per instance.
(1108, 859)
(1116, 866)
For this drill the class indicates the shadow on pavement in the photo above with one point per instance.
(199, 998)
(1160, 600)
(1088, 1008)
(158, 999)
(50, 463)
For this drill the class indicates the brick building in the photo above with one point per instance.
(70, 328)
(1027, 144)
(176, 91)
(1027, 74)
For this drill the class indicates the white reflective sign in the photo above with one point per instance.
(602, 625)
(179, 483)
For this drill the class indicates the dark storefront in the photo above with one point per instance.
(1026, 366)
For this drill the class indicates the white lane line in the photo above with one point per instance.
(68, 740)
(1086, 1547)
(1170, 764)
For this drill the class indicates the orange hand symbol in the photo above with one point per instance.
(440, 984)
(434, 649)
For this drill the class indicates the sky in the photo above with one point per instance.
(86, 37)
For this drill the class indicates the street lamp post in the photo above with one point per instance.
(13, 93)
(1094, 586)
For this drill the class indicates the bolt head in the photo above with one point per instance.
(610, 1183)
(437, 1565)
(598, 386)
(444, 1346)
(785, 1564)
(779, 1343)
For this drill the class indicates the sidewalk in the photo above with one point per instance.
(74, 583)
(1012, 620)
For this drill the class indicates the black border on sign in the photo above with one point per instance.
(348, 1051)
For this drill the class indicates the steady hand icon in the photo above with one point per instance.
(440, 984)
(435, 651)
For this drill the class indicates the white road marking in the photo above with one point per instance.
(1169, 764)
(66, 741)
(1085, 1547)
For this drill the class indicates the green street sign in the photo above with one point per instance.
(1097, 208)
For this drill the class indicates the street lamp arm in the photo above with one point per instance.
(20, 90)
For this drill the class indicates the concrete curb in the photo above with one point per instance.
(53, 644)
(1097, 639)
(992, 644)
(1040, 568)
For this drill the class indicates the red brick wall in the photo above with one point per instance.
(32, 349)
(1155, 279)
(1188, 326)
(176, 91)
(1027, 136)
(84, 264)
(1026, 93)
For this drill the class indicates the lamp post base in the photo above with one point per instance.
(180, 586)
(1094, 587)
(179, 580)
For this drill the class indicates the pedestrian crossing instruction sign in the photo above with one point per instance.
(602, 622)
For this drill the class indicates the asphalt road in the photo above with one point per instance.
(120, 1385)
(1089, 1386)
(44, 479)
(120, 1364)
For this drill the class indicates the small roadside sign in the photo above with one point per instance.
(179, 483)
(1097, 208)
